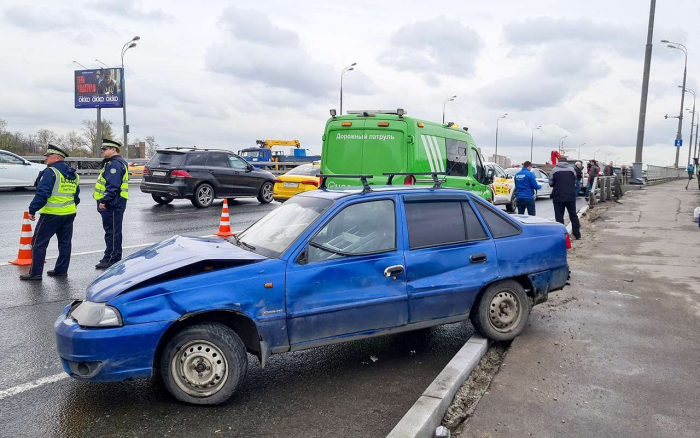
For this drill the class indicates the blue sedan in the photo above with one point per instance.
(324, 267)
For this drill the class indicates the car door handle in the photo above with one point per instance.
(477, 258)
(393, 271)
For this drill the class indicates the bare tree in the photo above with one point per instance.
(46, 136)
(75, 144)
(151, 146)
(90, 133)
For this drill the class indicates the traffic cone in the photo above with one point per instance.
(24, 257)
(225, 223)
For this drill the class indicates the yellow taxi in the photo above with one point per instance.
(503, 187)
(136, 168)
(300, 179)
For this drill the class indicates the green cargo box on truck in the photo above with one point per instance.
(378, 142)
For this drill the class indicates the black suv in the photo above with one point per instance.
(202, 175)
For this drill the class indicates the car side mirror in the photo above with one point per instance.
(249, 168)
(27, 163)
(489, 177)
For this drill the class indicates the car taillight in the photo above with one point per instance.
(180, 173)
(278, 181)
(312, 182)
(145, 171)
(409, 181)
(568, 241)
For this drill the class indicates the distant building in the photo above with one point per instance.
(501, 160)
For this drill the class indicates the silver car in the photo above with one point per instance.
(542, 179)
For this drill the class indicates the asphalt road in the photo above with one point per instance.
(330, 391)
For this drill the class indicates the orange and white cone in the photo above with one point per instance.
(225, 223)
(24, 257)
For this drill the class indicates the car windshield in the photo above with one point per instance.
(512, 171)
(276, 231)
(305, 171)
(249, 154)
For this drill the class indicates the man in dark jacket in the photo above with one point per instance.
(111, 194)
(578, 168)
(592, 175)
(56, 198)
(562, 179)
(525, 187)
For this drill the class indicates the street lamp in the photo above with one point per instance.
(532, 140)
(606, 157)
(345, 70)
(130, 44)
(692, 122)
(449, 99)
(502, 116)
(84, 68)
(579, 150)
(596, 153)
(102, 63)
(561, 143)
(679, 135)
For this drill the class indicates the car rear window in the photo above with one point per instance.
(305, 171)
(167, 159)
(499, 225)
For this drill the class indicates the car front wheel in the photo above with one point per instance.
(204, 364)
(502, 310)
(203, 196)
(266, 193)
(162, 199)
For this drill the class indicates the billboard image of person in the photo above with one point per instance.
(99, 88)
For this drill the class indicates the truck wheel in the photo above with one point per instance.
(162, 199)
(203, 196)
(502, 310)
(204, 364)
(266, 193)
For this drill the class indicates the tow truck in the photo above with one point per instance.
(264, 155)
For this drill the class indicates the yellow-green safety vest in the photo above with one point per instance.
(100, 185)
(62, 199)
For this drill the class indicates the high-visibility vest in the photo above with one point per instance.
(62, 199)
(100, 185)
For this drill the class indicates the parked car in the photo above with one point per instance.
(503, 187)
(325, 267)
(15, 171)
(300, 179)
(202, 175)
(542, 179)
(136, 168)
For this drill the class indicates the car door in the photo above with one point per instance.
(348, 278)
(543, 180)
(478, 173)
(449, 256)
(246, 182)
(13, 171)
(219, 167)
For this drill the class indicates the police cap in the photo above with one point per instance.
(55, 150)
(111, 144)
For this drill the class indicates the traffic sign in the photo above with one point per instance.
(679, 143)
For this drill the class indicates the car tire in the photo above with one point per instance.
(162, 199)
(501, 312)
(536, 195)
(203, 196)
(204, 364)
(266, 193)
(512, 206)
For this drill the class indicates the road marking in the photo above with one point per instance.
(31, 385)
(97, 251)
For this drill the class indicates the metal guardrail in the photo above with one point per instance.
(658, 173)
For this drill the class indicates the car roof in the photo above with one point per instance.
(188, 150)
(342, 193)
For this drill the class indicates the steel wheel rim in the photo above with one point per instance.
(205, 196)
(504, 311)
(199, 368)
(267, 192)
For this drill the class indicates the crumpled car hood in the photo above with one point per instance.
(161, 258)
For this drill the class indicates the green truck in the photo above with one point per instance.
(378, 142)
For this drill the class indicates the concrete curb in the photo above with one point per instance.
(579, 213)
(426, 414)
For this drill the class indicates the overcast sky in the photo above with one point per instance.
(224, 74)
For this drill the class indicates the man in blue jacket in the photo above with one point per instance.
(56, 198)
(111, 194)
(525, 186)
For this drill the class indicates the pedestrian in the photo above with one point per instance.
(691, 170)
(592, 175)
(562, 179)
(578, 168)
(609, 170)
(525, 187)
(111, 194)
(56, 198)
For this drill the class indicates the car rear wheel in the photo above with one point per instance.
(512, 206)
(266, 193)
(204, 364)
(502, 310)
(162, 199)
(203, 196)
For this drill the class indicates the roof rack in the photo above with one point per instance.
(371, 113)
(437, 183)
(189, 148)
(366, 188)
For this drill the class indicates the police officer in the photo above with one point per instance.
(56, 198)
(111, 194)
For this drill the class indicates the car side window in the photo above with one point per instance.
(477, 166)
(10, 159)
(500, 227)
(474, 229)
(237, 163)
(197, 159)
(457, 159)
(435, 223)
(218, 159)
(359, 229)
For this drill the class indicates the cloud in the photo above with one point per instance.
(37, 20)
(441, 46)
(130, 9)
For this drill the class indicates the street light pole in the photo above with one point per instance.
(596, 153)
(444, 103)
(126, 47)
(679, 135)
(345, 70)
(502, 116)
(692, 122)
(561, 143)
(532, 140)
(579, 150)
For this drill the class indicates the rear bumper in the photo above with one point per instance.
(178, 189)
(548, 281)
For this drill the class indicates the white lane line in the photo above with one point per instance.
(31, 385)
(97, 251)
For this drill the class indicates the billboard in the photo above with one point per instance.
(100, 88)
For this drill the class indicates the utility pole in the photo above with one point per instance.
(637, 165)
